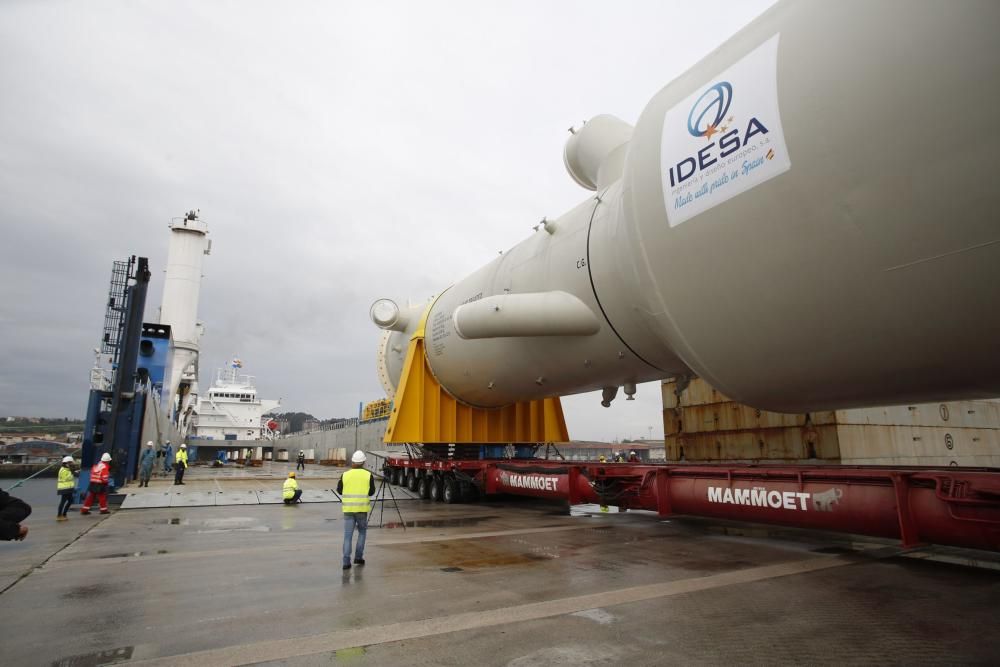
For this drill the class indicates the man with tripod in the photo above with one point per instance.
(354, 488)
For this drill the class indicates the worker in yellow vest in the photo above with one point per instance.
(354, 488)
(65, 487)
(181, 463)
(290, 491)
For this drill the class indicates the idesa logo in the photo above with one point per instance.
(706, 119)
(713, 103)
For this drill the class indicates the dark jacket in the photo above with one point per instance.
(12, 512)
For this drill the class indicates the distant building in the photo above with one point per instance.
(34, 451)
(36, 435)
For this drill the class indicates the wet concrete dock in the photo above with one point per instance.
(490, 583)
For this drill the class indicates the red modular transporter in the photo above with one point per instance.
(949, 506)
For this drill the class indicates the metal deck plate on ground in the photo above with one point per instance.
(236, 498)
(192, 499)
(319, 496)
(146, 500)
(269, 497)
(397, 492)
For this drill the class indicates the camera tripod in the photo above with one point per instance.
(380, 499)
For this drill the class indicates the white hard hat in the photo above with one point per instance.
(149, 444)
(358, 457)
(183, 446)
(67, 459)
(105, 457)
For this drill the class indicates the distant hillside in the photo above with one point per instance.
(14, 425)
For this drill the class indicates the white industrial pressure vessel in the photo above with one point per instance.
(807, 218)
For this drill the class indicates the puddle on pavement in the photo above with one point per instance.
(86, 592)
(470, 555)
(135, 554)
(234, 524)
(833, 550)
(96, 659)
(458, 522)
(176, 521)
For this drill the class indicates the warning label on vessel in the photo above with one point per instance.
(725, 138)
(440, 330)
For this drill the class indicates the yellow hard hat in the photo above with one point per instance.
(291, 474)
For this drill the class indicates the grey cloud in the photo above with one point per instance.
(338, 152)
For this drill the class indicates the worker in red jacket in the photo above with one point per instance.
(100, 475)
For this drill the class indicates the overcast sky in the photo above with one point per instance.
(339, 152)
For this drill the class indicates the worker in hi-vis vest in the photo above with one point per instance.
(354, 489)
(181, 463)
(65, 487)
(290, 491)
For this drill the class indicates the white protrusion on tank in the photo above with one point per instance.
(387, 315)
(588, 150)
(553, 313)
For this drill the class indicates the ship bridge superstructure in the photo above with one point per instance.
(231, 409)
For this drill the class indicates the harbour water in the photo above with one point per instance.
(40, 493)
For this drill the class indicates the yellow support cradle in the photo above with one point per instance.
(424, 412)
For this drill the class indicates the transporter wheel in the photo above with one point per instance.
(424, 487)
(411, 480)
(450, 492)
(397, 476)
(435, 494)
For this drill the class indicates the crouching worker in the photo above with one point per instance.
(290, 492)
(100, 475)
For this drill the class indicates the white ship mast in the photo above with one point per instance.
(179, 309)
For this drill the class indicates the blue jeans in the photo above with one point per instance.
(352, 520)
